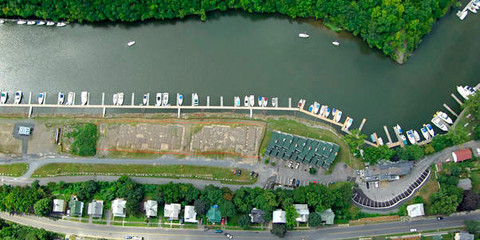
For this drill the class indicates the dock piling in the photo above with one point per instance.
(178, 113)
(251, 112)
(104, 111)
(450, 110)
(361, 124)
(456, 99)
(30, 98)
(133, 98)
(30, 110)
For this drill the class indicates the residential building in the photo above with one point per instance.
(171, 211)
(58, 206)
(464, 236)
(95, 208)
(327, 216)
(214, 215)
(387, 171)
(279, 216)
(118, 207)
(190, 215)
(303, 212)
(151, 208)
(415, 210)
(256, 216)
(462, 155)
(75, 207)
(465, 184)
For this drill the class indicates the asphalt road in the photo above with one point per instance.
(153, 233)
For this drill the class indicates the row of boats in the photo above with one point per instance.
(440, 119)
(38, 23)
(249, 101)
(70, 100)
(305, 35)
(325, 111)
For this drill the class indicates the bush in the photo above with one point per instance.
(267, 161)
(85, 140)
(313, 170)
(43, 207)
(244, 222)
(279, 229)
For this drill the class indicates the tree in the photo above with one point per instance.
(227, 208)
(476, 132)
(473, 227)
(472, 105)
(373, 154)
(471, 201)
(279, 229)
(291, 216)
(355, 140)
(43, 207)
(314, 219)
(244, 222)
(87, 190)
(313, 170)
(200, 207)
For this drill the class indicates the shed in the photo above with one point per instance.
(172, 210)
(151, 208)
(303, 212)
(462, 155)
(415, 210)
(95, 208)
(118, 207)
(190, 215)
(279, 216)
(58, 206)
(214, 215)
(327, 216)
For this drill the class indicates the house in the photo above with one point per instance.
(327, 216)
(303, 212)
(75, 207)
(118, 207)
(171, 211)
(279, 216)
(256, 216)
(464, 236)
(214, 215)
(151, 208)
(462, 155)
(415, 210)
(95, 209)
(465, 184)
(58, 206)
(190, 215)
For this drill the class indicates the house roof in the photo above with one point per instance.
(172, 211)
(118, 207)
(279, 216)
(465, 184)
(462, 155)
(76, 207)
(58, 205)
(256, 216)
(415, 210)
(190, 215)
(328, 216)
(151, 208)
(303, 212)
(214, 214)
(95, 208)
(464, 236)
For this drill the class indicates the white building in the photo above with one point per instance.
(172, 211)
(303, 212)
(95, 209)
(58, 206)
(151, 208)
(190, 215)
(118, 207)
(279, 216)
(415, 210)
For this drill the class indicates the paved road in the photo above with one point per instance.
(327, 233)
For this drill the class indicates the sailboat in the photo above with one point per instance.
(158, 99)
(61, 98)
(179, 99)
(18, 97)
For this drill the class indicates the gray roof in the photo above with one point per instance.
(58, 206)
(465, 184)
(303, 212)
(464, 236)
(256, 216)
(388, 171)
(151, 208)
(172, 211)
(190, 215)
(279, 216)
(328, 216)
(95, 208)
(118, 207)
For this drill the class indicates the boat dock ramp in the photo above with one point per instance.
(472, 6)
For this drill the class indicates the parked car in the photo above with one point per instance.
(376, 184)
(239, 172)
(228, 235)
(137, 238)
(298, 183)
(251, 173)
(439, 218)
(128, 237)
(297, 165)
(368, 186)
(290, 164)
(293, 182)
(218, 231)
(413, 230)
(255, 175)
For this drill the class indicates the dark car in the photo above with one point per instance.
(439, 218)
(251, 173)
(298, 183)
(239, 172)
(218, 231)
(255, 175)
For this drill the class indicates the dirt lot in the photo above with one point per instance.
(9, 144)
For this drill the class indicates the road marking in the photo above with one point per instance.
(397, 227)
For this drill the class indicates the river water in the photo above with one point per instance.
(235, 53)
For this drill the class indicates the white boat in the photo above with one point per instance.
(236, 101)
(3, 97)
(338, 116)
(416, 135)
(380, 141)
(440, 124)
(411, 137)
(429, 128)
(194, 99)
(275, 102)
(131, 43)
(84, 97)
(444, 117)
(462, 15)
(465, 91)
(145, 99)
(472, 9)
(50, 23)
(71, 98)
(245, 101)
(322, 110)
(40, 23)
(115, 99)
(264, 101)
(41, 98)
(310, 109)
(334, 112)
(260, 101)
(30, 22)
(303, 35)
(120, 98)
(316, 107)
(61, 98)
(251, 100)
(18, 97)
(349, 122)
(425, 132)
(336, 43)
(21, 22)
(165, 99)
(327, 112)
(399, 129)
(404, 139)
(158, 99)
(61, 24)
(301, 103)
(475, 6)
(179, 99)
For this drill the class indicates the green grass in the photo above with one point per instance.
(13, 170)
(469, 128)
(223, 175)
(475, 177)
(332, 27)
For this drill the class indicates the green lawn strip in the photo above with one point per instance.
(475, 177)
(164, 171)
(13, 170)
(427, 190)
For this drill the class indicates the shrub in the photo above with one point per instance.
(85, 140)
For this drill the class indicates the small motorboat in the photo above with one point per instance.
(264, 101)
(301, 103)
(61, 24)
(425, 132)
(245, 103)
(31, 22)
(372, 138)
(303, 35)
(462, 15)
(275, 102)
(180, 99)
(260, 101)
(322, 110)
(194, 99)
(61, 98)
(336, 43)
(404, 139)
(334, 112)
(251, 100)
(158, 99)
(310, 109)
(349, 122)
(439, 123)
(472, 9)
(18, 97)
(415, 134)
(40, 23)
(399, 129)
(50, 23)
(71, 98)
(145, 99)
(41, 97)
(327, 112)
(380, 141)
(236, 101)
(465, 91)
(411, 137)
(120, 98)
(3, 97)
(21, 22)
(165, 99)
(338, 116)
(115, 99)
(429, 128)
(131, 43)
(444, 117)
(84, 97)
(316, 107)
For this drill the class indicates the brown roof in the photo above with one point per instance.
(464, 154)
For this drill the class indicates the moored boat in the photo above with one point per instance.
(115, 99)
(439, 123)
(465, 91)
(264, 101)
(2, 21)
(301, 103)
(84, 97)
(50, 23)
(260, 101)
(380, 141)
(30, 22)
(334, 112)
(251, 100)
(120, 98)
(338, 116)
(444, 117)
(145, 99)
(71, 98)
(40, 23)
(429, 128)
(165, 99)
(41, 97)
(245, 101)
(179, 99)
(349, 122)
(236, 101)
(194, 99)
(415, 134)
(61, 24)
(131, 43)
(3, 97)
(336, 43)
(310, 109)
(322, 110)
(399, 129)
(411, 137)
(158, 99)
(18, 97)
(275, 102)
(425, 132)
(21, 22)
(303, 35)
(316, 107)
(60, 98)
(327, 112)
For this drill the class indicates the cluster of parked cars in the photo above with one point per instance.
(294, 182)
(253, 174)
(292, 165)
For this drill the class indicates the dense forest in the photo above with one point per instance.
(394, 26)
(12, 231)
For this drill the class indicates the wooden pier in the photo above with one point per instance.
(456, 99)
(388, 135)
(450, 110)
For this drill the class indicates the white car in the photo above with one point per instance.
(296, 166)
(413, 230)
(478, 151)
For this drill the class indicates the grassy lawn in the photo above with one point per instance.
(468, 124)
(428, 189)
(13, 170)
(223, 175)
(475, 177)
